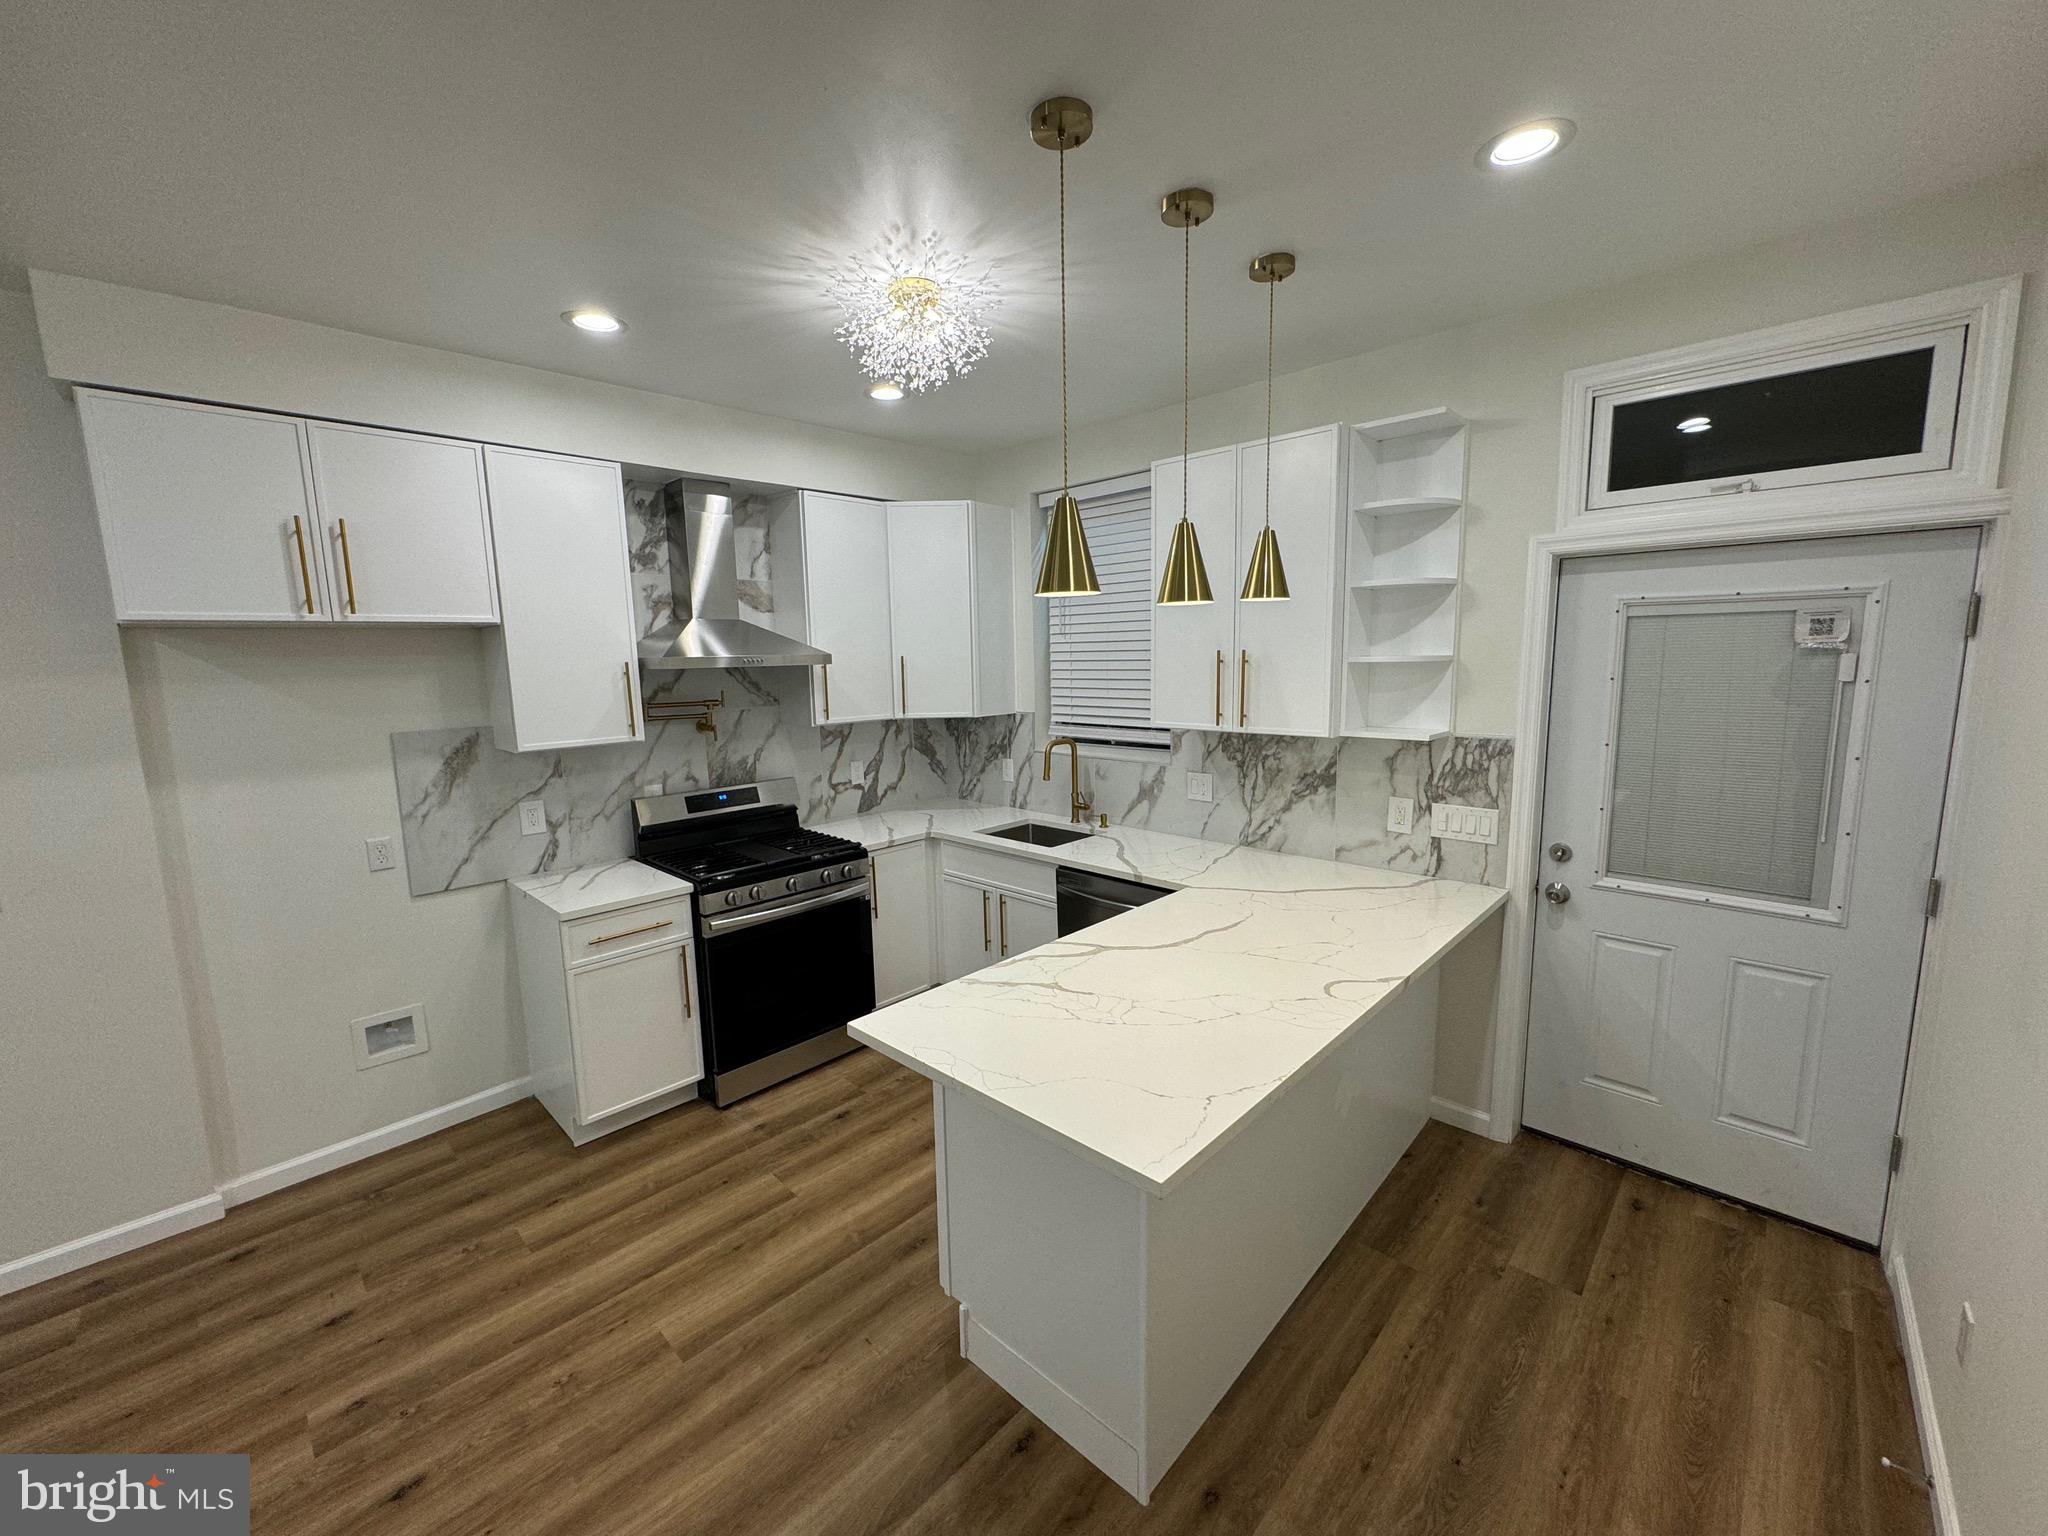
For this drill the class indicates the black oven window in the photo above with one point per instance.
(1841, 414)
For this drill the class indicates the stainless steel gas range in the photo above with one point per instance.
(785, 955)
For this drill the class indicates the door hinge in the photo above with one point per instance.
(1933, 895)
(1975, 617)
(1898, 1152)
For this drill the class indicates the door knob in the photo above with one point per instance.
(1557, 894)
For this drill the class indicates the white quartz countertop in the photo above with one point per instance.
(600, 888)
(1147, 1041)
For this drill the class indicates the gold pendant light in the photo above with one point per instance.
(1064, 123)
(1265, 581)
(1185, 580)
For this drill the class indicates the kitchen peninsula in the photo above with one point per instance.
(1150, 1133)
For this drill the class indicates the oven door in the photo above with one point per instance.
(776, 977)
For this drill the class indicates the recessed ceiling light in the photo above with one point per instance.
(596, 321)
(1528, 143)
(1695, 423)
(886, 389)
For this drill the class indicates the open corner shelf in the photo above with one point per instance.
(1404, 559)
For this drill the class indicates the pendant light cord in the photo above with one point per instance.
(1187, 278)
(1066, 487)
(1272, 290)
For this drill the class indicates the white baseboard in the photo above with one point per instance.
(19, 1274)
(1463, 1116)
(1933, 1456)
(340, 1154)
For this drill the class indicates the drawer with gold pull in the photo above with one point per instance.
(647, 926)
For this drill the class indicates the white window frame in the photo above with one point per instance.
(1143, 743)
(1972, 330)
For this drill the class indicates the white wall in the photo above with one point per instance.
(128, 338)
(1505, 374)
(99, 1110)
(1970, 1209)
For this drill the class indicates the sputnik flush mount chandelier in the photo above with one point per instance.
(915, 316)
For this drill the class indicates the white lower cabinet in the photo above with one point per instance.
(611, 1012)
(990, 907)
(900, 900)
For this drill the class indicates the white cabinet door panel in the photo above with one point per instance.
(846, 596)
(566, 662)
(931, 607)
(1191, 687)
(204, 511)
(901, 899)
(634, 1030)
(1024, 923)
(967, 917)
(1287, 660)
(406, 529)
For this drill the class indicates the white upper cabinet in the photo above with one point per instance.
(1194, 646)
(565, 665)
(406, 527)
(1261, 667)
(845, 544)
(912, 598)
(207, 513)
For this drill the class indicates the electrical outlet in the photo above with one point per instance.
(1009, 770)
(1465, 823)
(533, 817)
(1965, 1326)
(1400, 814)
(382, 854)
(654, 787)
(1201, 787)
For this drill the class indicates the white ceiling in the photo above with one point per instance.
(457, 174)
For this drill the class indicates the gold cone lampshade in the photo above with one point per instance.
(1266, 581)
(1186, 579)
(1067, 569)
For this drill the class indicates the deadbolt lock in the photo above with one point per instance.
(1561, 852)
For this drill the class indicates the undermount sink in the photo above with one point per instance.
(1039, 835)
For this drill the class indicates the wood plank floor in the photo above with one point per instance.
(731, 1322)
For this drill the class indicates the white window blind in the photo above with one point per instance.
(1100, 647)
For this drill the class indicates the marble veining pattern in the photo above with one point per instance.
(1147, 1041)
(598, 888)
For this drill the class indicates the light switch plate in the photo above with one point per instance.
(1400, 814)
(533, 817)
(381, 853)
(1465, 823)
(1201, 787)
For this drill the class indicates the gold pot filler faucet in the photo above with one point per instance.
(1077, 803)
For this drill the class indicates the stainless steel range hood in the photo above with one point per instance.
(703, 570)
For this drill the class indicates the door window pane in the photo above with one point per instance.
(1727, 740)
(1874, 408)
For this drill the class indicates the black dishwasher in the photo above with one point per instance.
(1085, 898)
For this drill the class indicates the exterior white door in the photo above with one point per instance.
(1286, 663)
(846, 600)
(1194, 646)
(931, 606)
(1747, 755)
(404, 522)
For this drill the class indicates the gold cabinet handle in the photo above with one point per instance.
(348, 566)
(1219, 687)
(903, 680)
(685, 953)
(1244, 667)
(874, 887)
(825, 676)
(1003, 918)
(305, 570)
(606, 938)
(984, 922)
(632, 720)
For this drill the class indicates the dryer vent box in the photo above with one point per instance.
(390, 1036)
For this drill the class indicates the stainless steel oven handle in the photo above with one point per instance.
(738, 920)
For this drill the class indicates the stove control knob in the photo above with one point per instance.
(753, 893)
(849, 871)
(790, 884)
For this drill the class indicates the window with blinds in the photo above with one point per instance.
(1100, 648)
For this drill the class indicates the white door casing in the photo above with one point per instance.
(1694, 1008)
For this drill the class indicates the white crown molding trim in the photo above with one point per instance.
(1934, 1457)
(1463, 1116)
(340, 1154)
(19, 1274)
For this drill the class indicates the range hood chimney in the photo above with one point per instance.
(703, 570)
